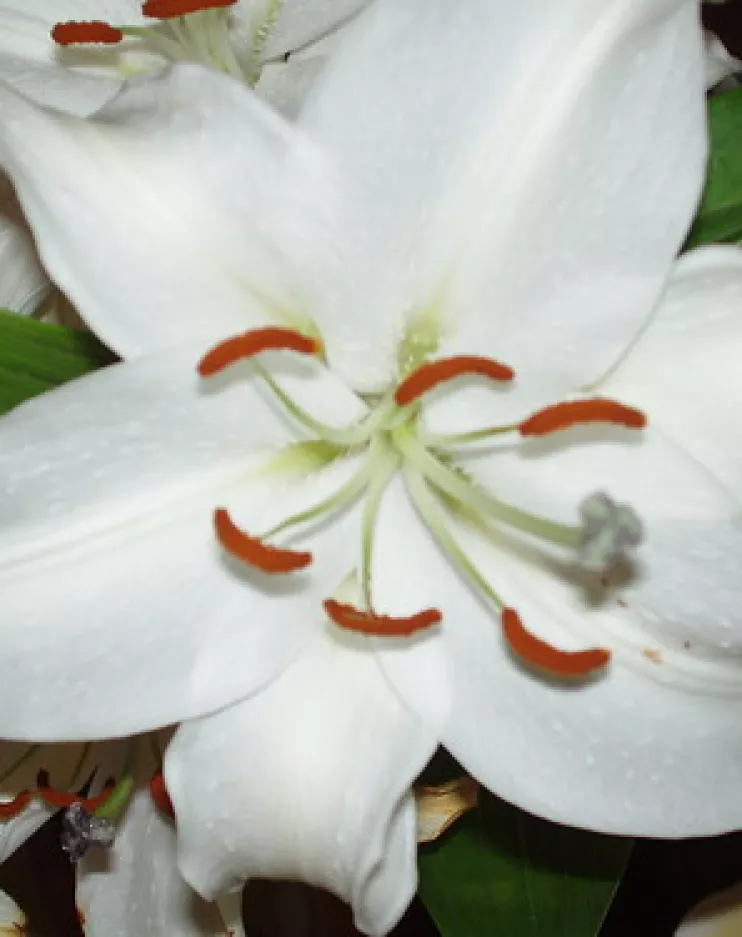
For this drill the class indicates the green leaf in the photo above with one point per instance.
(503, 873)
(720, 215)
(35, 357)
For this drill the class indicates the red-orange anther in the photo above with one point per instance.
(252, 551)
(59, 799)
(429, 375)
(79, 33)
(160, 796)
(353, 619)
(540, 654)
(572, 412)
(15, 806)
(168, 9)
(253, 343)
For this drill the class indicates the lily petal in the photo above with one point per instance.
(624, 753)
(309, 779)
(23, 283)
(177, 172)
(684, 369)
(720, 915)
(117, 600)
(12, 919)
(518, 234)
(135, 888)
(302, 23)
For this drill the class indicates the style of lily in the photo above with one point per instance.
(48, 50)
(430, 321)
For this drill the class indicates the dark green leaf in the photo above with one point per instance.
(720, 215)
(35, 357)
(503, 873)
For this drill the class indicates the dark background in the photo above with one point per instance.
(663, 880)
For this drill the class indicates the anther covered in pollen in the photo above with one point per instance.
(252, 551)
(540, 654)
(253, 343)
(84, 33)
(353, 619)
(429, 375)
(391, 439)
(575, 412)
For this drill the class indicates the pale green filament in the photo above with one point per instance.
(119, 798)
(435, 520)
(457, 439)
(479, 500)
(260, 36)
(386, 464)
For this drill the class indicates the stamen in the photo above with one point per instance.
(573, 412)
(251, 551)
(80, 33)
(253, 343)
(158, 793)
(55, 798)
(17, 805)
(170, 9)
(429, 375)
(540, 654)
(353, 619)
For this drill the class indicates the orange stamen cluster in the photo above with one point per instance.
(353, 619)
(540, 654)
(253, 343)
(54, 798)
(169, 9)
(573, 412)
(160, 796)
(252, 551)
(83, 33)
(429, 375)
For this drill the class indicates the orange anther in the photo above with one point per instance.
(353, 619)
(538, 653)
(253, 343)
(79, 33)
(252, 551)
(429, 375)
(15, 806)
(160, 796)
(572, 412)
(60, 799)
(169, 9)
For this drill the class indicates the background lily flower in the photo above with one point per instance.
(250, 39)
(720, 915)
(412, 226)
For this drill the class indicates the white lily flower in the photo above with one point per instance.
(276, 45)
(408, 219)
(250, 39)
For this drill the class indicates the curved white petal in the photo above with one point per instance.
(684, 369)
(149, 216)
(309, 779)
(135, 888)
(23, 282)
(717, 916)
(720, 63)
(118, 604)
(633, 752)
(12, 918)
(519, 231)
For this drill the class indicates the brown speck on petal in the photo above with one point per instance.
(439, 807)
(653, 654)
